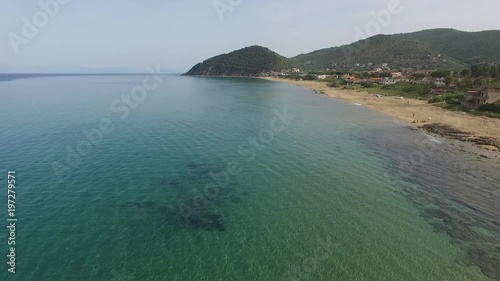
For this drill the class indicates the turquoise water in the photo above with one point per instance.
(205, 179)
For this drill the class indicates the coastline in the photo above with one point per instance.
(467, 226)
(411, 110)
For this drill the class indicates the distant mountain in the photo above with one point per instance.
(250, 61)
(428, 49)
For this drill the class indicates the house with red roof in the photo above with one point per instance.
(378, 80)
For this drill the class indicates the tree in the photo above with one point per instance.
(480, 70)
(494, 72)
(366, 84)
(441, 73)
(480, 82)
(418, 75)
(310, 77)
(465, 73)
(466, 83)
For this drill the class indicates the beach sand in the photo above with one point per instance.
(410, 110)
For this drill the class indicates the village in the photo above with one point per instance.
(437, 82)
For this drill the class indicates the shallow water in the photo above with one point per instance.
(338, 192)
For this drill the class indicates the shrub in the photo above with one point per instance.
(366, 84)
(437, 99)
(310, 77)
(489, 108)
(454, 98)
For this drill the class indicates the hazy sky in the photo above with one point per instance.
(177, 33)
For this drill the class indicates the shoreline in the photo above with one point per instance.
(411, 110)
(476, 216)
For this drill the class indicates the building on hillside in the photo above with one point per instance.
(478, 97)
(377, 80)
(396, 74)
(390, 81)
(475, 98)
(439, 82)
(494, 96)
(348, 78)
(406, 79)
(423, 81)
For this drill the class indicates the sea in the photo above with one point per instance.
(165, 177)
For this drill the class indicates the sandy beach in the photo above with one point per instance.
(410, 110)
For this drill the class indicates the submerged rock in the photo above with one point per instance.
(453, 133)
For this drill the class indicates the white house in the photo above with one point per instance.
(396, 74)
(440, 82)
(391, 81)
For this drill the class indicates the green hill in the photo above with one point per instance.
(469, 48)
(428, 49)
(376, 50)
(250, 61)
